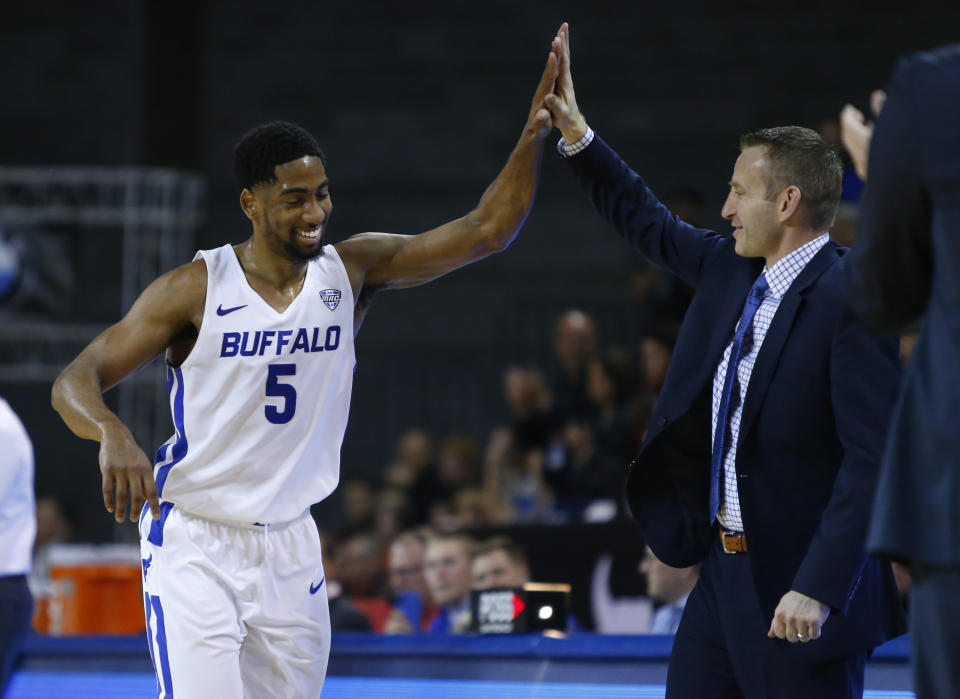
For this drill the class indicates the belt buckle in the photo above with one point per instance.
(723, 541)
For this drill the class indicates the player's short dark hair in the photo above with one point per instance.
(502, 543)
(264, 147)
(801, 157)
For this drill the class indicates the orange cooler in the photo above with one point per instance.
(95, 590)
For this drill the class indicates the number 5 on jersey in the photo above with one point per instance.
(280, 390)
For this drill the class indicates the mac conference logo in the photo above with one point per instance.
(331, 297)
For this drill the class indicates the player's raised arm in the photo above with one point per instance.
(383, 260)
(170, 309)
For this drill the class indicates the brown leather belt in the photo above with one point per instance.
(733, 542)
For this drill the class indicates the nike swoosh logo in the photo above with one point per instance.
(221, 311)
(314, 588)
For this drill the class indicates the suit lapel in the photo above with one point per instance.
(776, 337)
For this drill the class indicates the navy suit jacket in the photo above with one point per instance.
(906, 264)
(811, 433)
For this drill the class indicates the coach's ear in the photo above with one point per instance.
(788, 203)
(248, 202)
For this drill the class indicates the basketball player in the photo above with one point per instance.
(259, 347)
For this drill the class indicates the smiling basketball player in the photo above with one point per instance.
(259, 345)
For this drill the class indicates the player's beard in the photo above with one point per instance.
(294, 251)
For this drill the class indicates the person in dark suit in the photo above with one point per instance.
(905, 265)
(763, 451)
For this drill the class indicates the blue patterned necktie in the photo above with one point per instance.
(754, 299)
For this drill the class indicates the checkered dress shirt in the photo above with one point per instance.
(568, 149)
(779, 277)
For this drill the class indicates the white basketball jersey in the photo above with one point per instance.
(260, 405)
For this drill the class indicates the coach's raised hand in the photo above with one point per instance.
(563, 103)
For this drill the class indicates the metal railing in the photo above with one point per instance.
(157, 212)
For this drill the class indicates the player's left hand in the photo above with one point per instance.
(539, 119)
(563, 103)
(798, 618)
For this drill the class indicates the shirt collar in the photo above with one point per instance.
(785, 270)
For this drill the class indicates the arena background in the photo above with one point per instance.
(417, 105)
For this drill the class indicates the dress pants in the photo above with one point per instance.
(935, 631)
(16, 606)
(722, 651)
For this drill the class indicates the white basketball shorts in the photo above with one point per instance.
(234, 609)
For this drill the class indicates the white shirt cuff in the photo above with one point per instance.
(569, 149)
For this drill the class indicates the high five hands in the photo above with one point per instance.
(562, 103)
(540, 120)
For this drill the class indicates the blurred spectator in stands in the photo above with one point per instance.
(528, 403)
(623, 611)
(612, 386)
(852, 186)
(513, 480)
(405, 562)
(468, 508)
(689, 204)
(57, 523)
(413, 456)
(574, 344)
(413, 606)
(443, 517)
(343, 615)
(18, 526)
(447, 570)
(359, 503)
(473, 509)
(655, 350)
(455, 468)
(497, 563)
(392, 514)
(659, 296)
(360, 567)
(844, 228)
(587, 483)
(587, 471)
(669, 588)
(457, 463)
